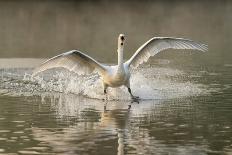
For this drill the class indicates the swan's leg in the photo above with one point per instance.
(106, 99)
(106, 96)
(129, 90)
(105, 92)
(132, 96)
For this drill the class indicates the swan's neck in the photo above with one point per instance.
(121, 41)
(120, 57)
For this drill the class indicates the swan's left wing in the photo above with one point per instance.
(74, 60)
(157, 44)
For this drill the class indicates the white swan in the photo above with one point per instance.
(117, 75)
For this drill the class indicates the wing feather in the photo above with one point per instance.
(158, 44)
(74, 60)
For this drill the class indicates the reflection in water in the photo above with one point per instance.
(160, 126)
(94, 124)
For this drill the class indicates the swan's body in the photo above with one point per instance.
(117, 75)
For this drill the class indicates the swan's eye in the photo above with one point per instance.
(121, 43)
(122, 38)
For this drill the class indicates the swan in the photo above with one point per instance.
(117, 75)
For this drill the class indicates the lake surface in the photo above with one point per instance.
(184, 109)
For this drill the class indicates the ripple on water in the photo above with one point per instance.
(2, 150)
(18, 132)
(39, 148)
(3, 139)
(28, 152)
(4, 131)
(18, 121)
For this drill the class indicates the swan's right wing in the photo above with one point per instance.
(74, 60)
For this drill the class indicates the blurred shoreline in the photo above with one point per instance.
(40, 29)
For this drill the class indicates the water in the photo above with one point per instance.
(184, 110)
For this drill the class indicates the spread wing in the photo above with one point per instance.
(74, 60)
(158, 44)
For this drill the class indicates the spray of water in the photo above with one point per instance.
(147, 83)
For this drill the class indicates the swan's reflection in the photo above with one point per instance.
(95, 127)
(148, 127)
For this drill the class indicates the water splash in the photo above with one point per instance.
(148, 83)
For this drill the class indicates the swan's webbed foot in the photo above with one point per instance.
(135, 99)
(129, 107)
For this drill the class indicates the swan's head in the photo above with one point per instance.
(121, 41)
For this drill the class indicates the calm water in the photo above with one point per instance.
(184, 110)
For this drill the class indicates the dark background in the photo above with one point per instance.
(42, 28)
